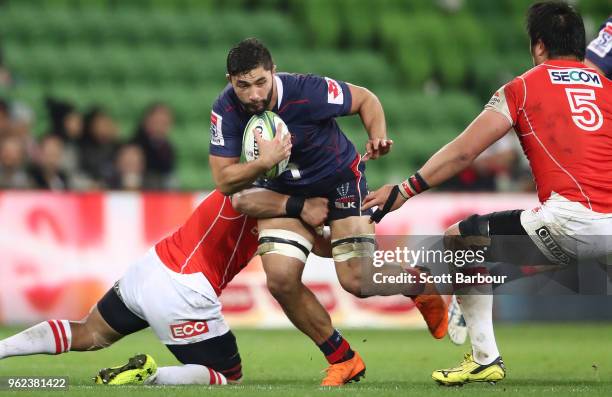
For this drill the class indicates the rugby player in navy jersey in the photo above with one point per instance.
(599, 51)
(323, 163)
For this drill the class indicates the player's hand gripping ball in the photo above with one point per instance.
(266, 125)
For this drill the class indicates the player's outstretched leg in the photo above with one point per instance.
(427, 298)
(353, 246)
(61, 336)
(49, 337)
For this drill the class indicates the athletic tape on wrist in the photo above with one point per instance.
(412, 186)
(380, 213)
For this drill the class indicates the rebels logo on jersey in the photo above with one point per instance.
(599, 51)
(602, 45)
(216, 135)
(334, 92)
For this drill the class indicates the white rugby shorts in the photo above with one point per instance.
(177, 314)
(567, 232)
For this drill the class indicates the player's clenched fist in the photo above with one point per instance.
(276, 150)
(315, 211)
(377, 147)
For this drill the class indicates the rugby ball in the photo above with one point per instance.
(265, 125)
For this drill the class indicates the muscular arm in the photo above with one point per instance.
(372, 116)
(231, 176)
(263, 203)
(487, 128)
(260, 203)
(370, 111)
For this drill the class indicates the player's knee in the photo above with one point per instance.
(352, 283)
(452, 237)
(91, 333)
(283, 279)
(282, 285)
(472, 231)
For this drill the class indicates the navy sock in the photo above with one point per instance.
(336, 349)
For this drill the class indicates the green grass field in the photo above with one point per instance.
(542, 360)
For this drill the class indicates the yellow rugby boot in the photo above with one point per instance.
(470, 371)
(137, 370)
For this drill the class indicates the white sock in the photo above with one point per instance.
(478, 313)
(49, 337)
(188, 374)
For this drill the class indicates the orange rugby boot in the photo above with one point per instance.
(432, 306)
(435, 313)
(345, 372)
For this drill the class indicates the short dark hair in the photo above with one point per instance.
(560, 28)
(247, 55)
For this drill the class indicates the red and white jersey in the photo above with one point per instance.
(562, 113)
(216, 241)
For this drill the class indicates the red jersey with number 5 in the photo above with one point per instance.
(562, 113)
(216, 241)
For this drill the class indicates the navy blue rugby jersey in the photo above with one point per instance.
(308, 104)
(599, 50)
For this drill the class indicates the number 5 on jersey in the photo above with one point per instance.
(585, 113)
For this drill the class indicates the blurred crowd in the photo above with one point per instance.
(502, 167)
(83, 150)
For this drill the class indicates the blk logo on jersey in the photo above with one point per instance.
(189, 329)
(346, 203)
(334, 92)
(575, 76)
